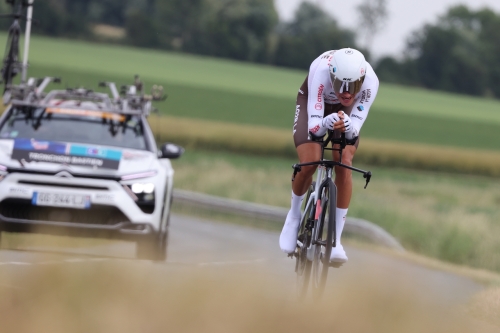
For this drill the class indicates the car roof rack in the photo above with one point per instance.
(130, 100)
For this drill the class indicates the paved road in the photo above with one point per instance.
(201, 246)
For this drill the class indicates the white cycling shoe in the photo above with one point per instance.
(288, 236)
(338, 254)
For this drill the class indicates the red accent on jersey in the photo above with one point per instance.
(314, 129)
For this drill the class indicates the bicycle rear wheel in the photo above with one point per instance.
(302, 264)
(323, 238)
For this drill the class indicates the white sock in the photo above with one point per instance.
(340, 221)
(296, 204)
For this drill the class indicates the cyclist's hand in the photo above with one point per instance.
(330, 120)
(350, 131)
(347, 124)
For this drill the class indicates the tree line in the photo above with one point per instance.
(459, 53)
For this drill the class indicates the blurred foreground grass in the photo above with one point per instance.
(486, 305)
(123, 297)
(450, 217)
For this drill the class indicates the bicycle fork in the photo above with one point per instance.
(318, 197)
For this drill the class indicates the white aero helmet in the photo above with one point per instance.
(347, 71)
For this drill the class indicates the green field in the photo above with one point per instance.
(235, 92)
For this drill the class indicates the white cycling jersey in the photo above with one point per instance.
(320, 91)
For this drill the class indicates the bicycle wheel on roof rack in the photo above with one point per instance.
(302, 264)
(323, 237)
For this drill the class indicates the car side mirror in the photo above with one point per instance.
(170, 150)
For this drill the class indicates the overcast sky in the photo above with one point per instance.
(405, 16)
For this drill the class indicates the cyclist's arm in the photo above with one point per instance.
(317, 81)
(365, 100)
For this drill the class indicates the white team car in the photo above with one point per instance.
(82, 163)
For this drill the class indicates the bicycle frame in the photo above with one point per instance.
(323, 174)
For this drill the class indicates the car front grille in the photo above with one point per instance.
(97, 214)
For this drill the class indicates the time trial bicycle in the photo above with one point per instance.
(317, 229)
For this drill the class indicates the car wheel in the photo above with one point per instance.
(153, 248)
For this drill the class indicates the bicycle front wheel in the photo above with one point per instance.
(323, 238)
(302, 264)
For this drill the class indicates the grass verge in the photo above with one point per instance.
(444, 216)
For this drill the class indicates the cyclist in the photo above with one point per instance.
(336, 95)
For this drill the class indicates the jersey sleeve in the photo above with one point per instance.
(363, 104)
(316, 102)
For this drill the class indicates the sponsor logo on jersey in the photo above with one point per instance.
(365, 96)
(361, 108)
(349, 52)
(316, 116)
(320, 92)
(318, 106)
(297, 112)
(356, 116)
(314, 129)
(301, 92)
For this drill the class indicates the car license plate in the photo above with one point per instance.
(61, 200)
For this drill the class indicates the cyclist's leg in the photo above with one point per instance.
(343, 181)
(307, 151)
(343, 177)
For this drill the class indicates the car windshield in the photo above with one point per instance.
(73, 125)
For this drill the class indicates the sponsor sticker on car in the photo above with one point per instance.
(65, 153)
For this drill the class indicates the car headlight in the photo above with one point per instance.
(142, 192)
(146, 188)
